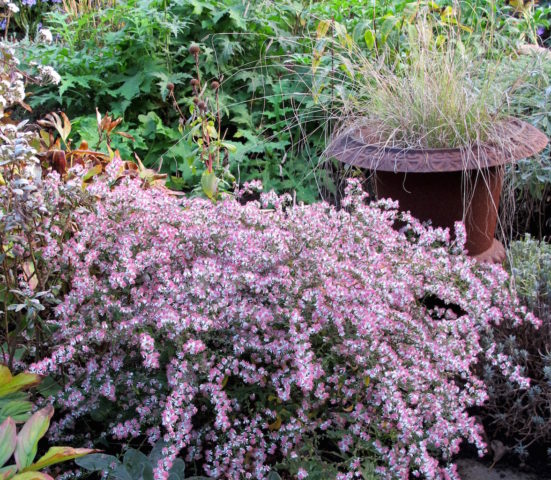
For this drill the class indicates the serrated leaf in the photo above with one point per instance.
(27, 439)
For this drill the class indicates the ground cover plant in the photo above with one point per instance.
(294, 339)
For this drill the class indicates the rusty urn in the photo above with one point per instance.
(445, 185)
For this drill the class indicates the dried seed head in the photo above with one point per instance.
(194, 82)
(194, 50)
(196, 100)
(202, 106)
(215, 85)
(170, 87)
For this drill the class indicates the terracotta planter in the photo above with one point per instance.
(445, 185)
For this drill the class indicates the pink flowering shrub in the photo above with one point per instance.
(291, 337)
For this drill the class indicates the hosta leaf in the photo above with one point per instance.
(8, 440)
(30, 434)
(59, 454)
(19, 382)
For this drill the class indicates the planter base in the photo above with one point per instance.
(494, 254)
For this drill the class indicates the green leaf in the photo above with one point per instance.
(369, 38)
(97, 462)
(178, 470)
(137, 464)
(8, 440)
(19, 382)
(95, 170)
(8, 472)
(18, 409)
(57, 455)
(209, 183)
(27, 440)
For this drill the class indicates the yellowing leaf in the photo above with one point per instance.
(59, 454)
(32, 476)
(276, 425)
(5, 375)
(209, 183)
(19, 382)
(95, 170)
(367, 381)
(323, 28)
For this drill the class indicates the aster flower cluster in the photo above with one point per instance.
(240, 334)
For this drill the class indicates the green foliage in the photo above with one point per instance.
(14, 402)
(134, 465)
(123, 58)
(530, 178)
(23, 446)
(522, 418)
(531, 267)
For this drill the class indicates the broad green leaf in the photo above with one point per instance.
(27, 440)
(97, 462)
(8, 440)
(369, 38)
(57, 455)
(178, 470)
(19, 382)
(137, 464)
(209, 183)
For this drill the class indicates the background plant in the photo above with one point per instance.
(519, 417)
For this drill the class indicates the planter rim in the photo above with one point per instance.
(360, 148)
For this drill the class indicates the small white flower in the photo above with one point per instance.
(46, 35)
(12, 7)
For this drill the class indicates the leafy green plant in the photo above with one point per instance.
(23, 445)
(14, 401)
(134, 465)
